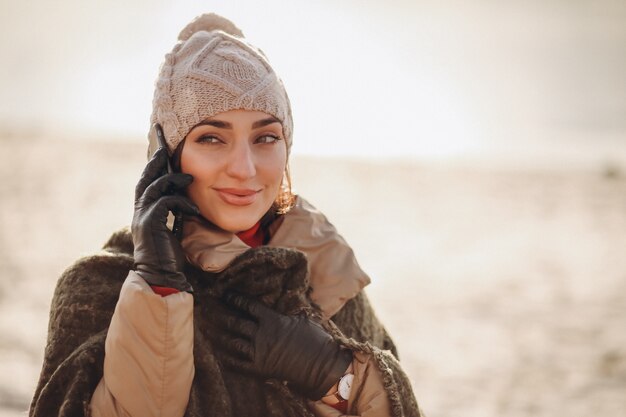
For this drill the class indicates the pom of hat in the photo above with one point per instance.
(209, 22)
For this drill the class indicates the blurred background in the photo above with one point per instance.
(473, 153)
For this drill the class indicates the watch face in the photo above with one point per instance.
(345, 386)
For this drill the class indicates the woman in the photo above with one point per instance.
(258, 309)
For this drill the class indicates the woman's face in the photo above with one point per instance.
(237, 159)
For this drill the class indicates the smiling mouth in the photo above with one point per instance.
(236, 196)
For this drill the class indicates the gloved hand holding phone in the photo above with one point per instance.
(159, 257)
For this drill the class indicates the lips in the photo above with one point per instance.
(237, 196)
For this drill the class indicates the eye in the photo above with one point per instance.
(209, 139)
(268, 139)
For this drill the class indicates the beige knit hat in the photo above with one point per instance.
(213, 69)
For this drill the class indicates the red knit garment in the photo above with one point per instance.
(163, 291)
(253, 237)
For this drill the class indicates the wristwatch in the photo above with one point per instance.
(343, 388)
(341, 396)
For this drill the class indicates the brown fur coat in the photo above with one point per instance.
(85, 298)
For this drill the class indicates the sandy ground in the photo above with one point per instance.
(505, 290)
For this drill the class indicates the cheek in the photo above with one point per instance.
(202, 171)
(197, 163)
(274, 175)
(274, 168)
(188, 161)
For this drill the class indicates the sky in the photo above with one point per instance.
(395, 78)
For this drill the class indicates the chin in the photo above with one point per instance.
(237, 227)
(236, 222)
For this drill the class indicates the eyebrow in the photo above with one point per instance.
(226, 125)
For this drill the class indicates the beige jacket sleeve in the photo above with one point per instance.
(368, 397)
(148, 363)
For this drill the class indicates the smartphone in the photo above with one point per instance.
(157, 130)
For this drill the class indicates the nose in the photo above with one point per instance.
(240, 164)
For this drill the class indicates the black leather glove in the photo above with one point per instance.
(292, 348)
(159, 258)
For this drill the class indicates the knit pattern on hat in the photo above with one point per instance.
(213, 69)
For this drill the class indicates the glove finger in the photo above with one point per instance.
(234, 323)
(175, 204)
(236, 347)
(233, 362)
(156, 167)
(167, 184)
(246, 304)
